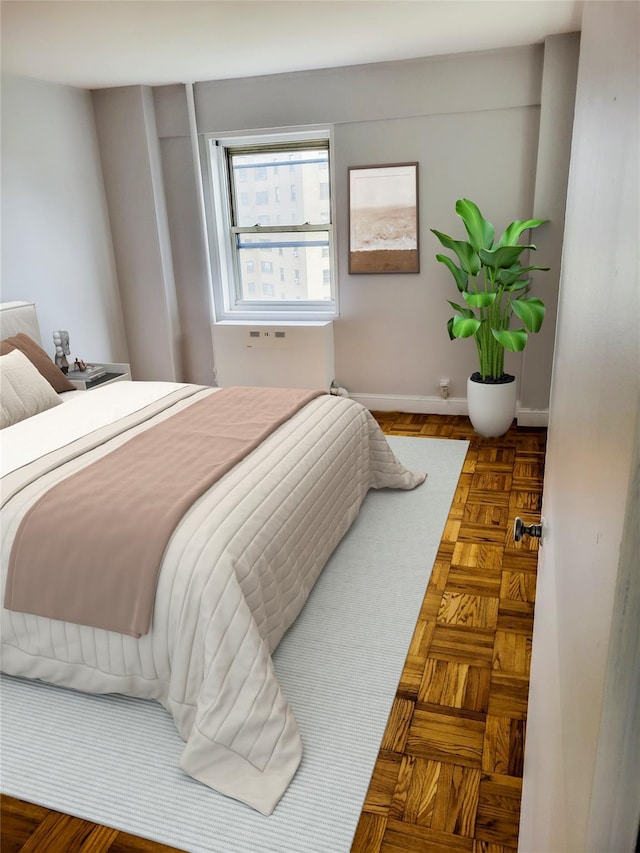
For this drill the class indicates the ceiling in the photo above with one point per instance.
(99, 43)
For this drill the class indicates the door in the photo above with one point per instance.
(581, 790)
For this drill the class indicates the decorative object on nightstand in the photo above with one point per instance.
(61, 341)
(97, 375)
(84, 372)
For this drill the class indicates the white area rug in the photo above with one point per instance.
(114, 760)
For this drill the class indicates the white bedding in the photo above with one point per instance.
(29, 440)
(235, 575)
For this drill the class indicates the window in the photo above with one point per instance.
(303, 235)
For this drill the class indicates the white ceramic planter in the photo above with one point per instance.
(492, 408)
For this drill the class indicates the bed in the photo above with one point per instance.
(235, 572)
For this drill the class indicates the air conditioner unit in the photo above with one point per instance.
(286, 356)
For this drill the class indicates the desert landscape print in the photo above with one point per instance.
(383, 219)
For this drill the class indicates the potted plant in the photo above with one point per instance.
(494, 288)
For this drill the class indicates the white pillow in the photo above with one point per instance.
(23, 390)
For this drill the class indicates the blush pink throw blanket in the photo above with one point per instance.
(104, 572)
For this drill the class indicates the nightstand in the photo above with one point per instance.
(115, 373)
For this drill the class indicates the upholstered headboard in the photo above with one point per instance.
(19, 317)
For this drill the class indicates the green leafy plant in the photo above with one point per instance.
(494, 287)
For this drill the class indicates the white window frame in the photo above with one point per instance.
(224, 257)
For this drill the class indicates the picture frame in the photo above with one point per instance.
(383, 219)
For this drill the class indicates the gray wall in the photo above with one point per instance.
(479, 141)
(190, 259)
(492, 126)
(56, 239)
(129, 150)
(552, 169)
(391, 337)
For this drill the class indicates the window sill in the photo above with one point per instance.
(273, 322)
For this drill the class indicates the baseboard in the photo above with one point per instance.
(412, 405)
(532, 417)
(438, 406)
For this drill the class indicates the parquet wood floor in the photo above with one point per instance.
(449, 772)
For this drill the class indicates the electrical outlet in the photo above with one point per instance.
(445, 389)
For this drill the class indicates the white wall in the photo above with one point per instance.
(580, 766)
(56, 240)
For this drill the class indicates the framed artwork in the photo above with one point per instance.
(383, 219)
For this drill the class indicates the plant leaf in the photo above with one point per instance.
(514, 340)
(515, 229)
(450, 328)
(503, 257)
(459, 275)
(466, 312)
(479, 300)
(528, 269)
(509, 275)
(481, 232)
(530, 311)
(465, 327)
(469, 260)
(520, 284)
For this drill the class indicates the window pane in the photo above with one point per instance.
(303, 270)
(298, 191)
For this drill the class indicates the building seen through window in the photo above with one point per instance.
(296, 198)
(271, 214)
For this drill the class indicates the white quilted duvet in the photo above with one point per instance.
(235, 575)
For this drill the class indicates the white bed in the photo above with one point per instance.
(236, 573)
